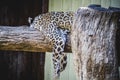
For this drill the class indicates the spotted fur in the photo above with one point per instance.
(54, 26)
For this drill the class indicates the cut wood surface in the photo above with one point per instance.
(24, 38)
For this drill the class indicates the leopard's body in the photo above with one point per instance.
(54, 26)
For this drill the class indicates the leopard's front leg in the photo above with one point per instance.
(59, 57)
(58, 37)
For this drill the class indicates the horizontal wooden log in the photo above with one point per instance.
(24, 38)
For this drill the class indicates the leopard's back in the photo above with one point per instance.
(62, 20)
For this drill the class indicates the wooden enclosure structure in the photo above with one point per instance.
(32, 67)
(73, 5)
(16, 12)
(21, 65)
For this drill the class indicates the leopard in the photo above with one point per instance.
(55, 26)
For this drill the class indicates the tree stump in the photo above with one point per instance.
(93, 39)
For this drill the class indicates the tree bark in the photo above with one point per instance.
(25, 39)
(93, 39)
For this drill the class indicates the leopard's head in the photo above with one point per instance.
(36, 23)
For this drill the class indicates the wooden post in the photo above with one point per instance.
(93, 39)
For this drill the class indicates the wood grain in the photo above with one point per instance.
(93, 40)
(24, 38)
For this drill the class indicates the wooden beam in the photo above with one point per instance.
(24, 38)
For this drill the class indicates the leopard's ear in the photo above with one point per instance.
(30, 20)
